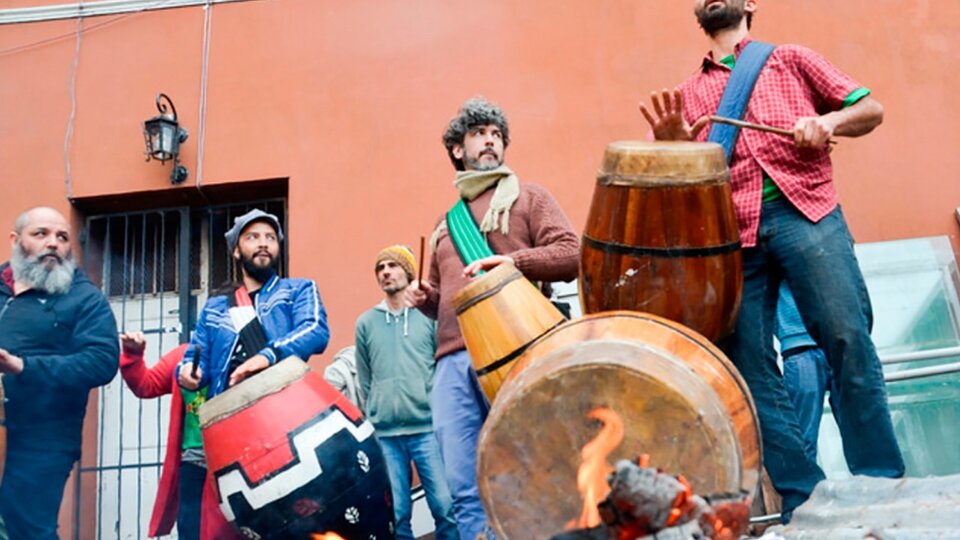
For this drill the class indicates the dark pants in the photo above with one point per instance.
(33, 482)
(192, 478)
(819, 264)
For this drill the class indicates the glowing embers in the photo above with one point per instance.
(327, 536)
(635, 501)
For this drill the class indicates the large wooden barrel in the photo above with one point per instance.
(662, 236)
(500, 313)
(680, 399)
(291, 457)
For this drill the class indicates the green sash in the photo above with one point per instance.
(465, 234)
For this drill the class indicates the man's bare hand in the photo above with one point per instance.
(254, 364)
(485, 264)
(133, 343)
(669, 124)
(416, 293)
(187, 379)
(813, 131)
(10, 363)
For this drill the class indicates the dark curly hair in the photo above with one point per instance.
(476, 112)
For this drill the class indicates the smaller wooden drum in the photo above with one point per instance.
(292, 458)
(500, 314)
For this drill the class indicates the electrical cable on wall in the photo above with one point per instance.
(204, 65)
(72, 90)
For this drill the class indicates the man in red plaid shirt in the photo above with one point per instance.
(792, 228)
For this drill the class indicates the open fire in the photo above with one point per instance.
(594, 468)
(633, 500)
(327, 536)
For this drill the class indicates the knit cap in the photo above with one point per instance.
(401, 255)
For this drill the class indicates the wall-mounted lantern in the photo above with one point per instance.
(163, 135)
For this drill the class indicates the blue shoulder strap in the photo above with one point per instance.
(737, 93)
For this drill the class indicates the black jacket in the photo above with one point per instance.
(69, 344)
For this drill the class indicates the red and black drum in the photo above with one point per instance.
(292, 458)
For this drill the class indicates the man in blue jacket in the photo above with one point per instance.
(395, 347)
(265, 319)
(58, 339)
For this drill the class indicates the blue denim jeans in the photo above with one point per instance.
(424, 451)
(192, 479)
(807, 377)
(31, 492)
(459, 409)
(819, 264)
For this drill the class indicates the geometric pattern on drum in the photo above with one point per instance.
(302, 469)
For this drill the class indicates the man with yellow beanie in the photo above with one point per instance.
(395, 346)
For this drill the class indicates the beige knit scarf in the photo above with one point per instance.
(471, 184)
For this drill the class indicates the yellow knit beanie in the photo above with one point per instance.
(401, 255)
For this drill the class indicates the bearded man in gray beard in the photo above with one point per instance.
(58, 340)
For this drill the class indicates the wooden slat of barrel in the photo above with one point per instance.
(681, 401)
(662, 236)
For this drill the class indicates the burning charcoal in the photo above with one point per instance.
(645, 499)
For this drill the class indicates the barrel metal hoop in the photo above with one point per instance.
(513, 276)
(664, 252)
(658, 180)
(497, 364)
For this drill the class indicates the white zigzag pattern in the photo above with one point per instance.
(297, 476)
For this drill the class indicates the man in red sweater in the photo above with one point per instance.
(523, 225)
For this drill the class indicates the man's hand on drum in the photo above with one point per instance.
(10, 363)
(813, 131)
(133, 343)
(669, 124)
(485, 264)
(254, 364)
(417, 292)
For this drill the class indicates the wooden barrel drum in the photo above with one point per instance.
(500, 313)
(662, 236)
(680, 399)
(291, 458)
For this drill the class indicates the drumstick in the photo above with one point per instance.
(423, 246)
(758, 127)
(196, 362)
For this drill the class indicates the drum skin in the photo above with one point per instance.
(681, 401)
(290, 457)
(662, 236)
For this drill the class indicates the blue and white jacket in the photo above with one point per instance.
(292, 316)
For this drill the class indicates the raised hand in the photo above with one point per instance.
(133, 343)
(668, 123)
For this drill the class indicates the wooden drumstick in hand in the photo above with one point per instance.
(423, 249)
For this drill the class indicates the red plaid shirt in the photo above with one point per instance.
(795, 82)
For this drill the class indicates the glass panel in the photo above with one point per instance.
(913, 288)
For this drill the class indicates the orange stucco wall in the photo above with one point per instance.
(348, 100)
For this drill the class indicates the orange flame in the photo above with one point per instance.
(594, 469)
(327, 536)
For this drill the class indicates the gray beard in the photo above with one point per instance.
(33, 273)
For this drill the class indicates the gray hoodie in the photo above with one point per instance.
(395, 365)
